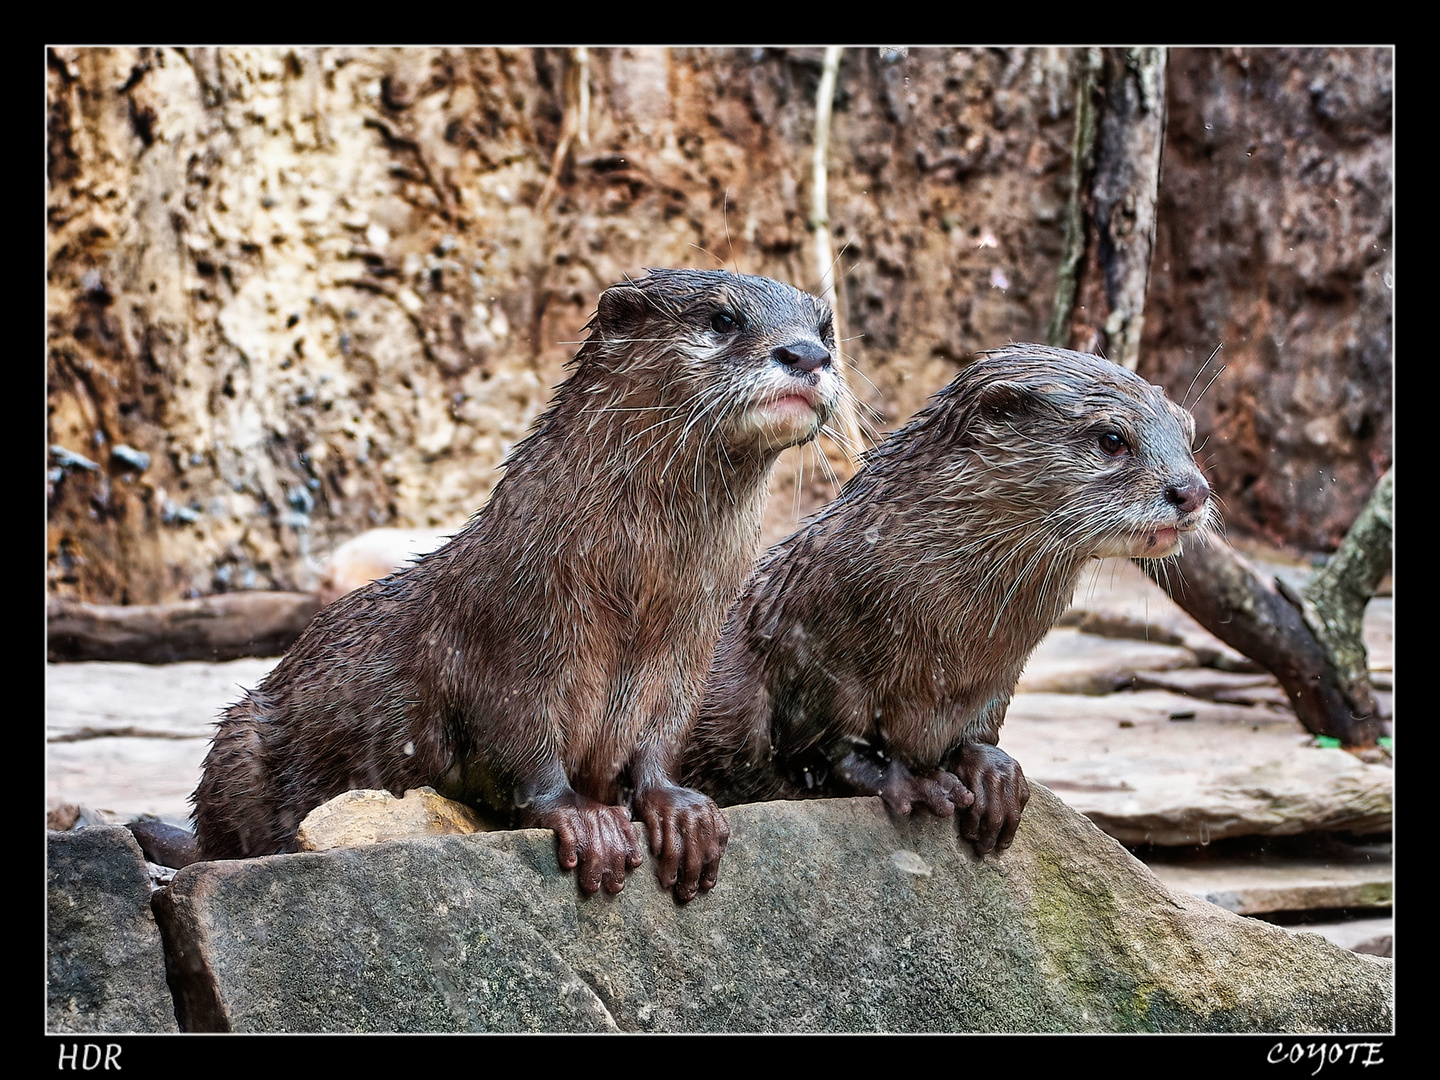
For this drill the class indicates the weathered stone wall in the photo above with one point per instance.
(1274, 240)
(327, 289)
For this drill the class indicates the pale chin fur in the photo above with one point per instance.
(793, 416)
(787, 426)
(1158, 541)
(1155, 545)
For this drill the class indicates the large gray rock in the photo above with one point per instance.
(829, 916)
(105, 962)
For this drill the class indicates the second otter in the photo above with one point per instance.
(546, 662)
(875, 650)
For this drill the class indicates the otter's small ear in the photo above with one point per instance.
(621, 307)
(1001, 400)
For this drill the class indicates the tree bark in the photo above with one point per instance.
(1088, 66)
(1109, 311)
(223, 627)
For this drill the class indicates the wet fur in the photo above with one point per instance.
(546, 664)
(875, 650)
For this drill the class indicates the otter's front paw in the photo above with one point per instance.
(688, 835)
(1000, 796)
(593, 836)
(940, 791)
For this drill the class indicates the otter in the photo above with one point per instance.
(874, 651)
(546, 663)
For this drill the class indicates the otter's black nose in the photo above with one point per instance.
(803, 355)
(1190, 496)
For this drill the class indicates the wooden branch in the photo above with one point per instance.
(1333, 603)
(574, 123)
(819, 175)
(1123, 192)
(220, 627)
(1227, 596)
(1110, 224)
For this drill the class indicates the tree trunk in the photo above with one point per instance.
(1114, 206)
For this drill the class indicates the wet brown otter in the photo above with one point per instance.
(875, 650)
(547, 662)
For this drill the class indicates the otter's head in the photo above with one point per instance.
(1101, 456)
(744, 358)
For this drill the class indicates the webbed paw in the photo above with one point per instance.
(688, 835)
(1000, 796)
(590, 835)
(941, 792)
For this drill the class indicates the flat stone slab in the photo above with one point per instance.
(153, 699)
(130, 777)
(130, 738)
(1340, 876)
(1070, 662)
(1375, 937)
(1379, 634)
(1153, 767)
(1115, 599)
(1235, 688)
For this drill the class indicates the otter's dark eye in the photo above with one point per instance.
(1112, 445)
(724, 323)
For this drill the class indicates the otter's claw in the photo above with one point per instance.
(688, 835)
(940, 791)
(1000, 796)
(593, 836)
